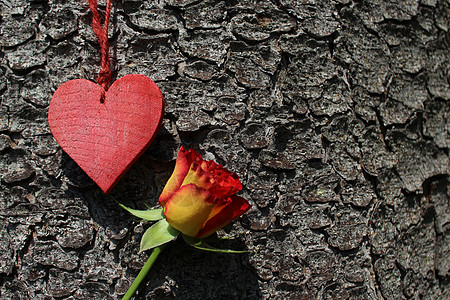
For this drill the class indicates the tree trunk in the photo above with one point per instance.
(335, 115)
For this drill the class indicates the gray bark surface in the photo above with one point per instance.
(334, 113)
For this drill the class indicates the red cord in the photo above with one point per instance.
(104, 77)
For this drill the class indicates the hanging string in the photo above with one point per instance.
(104, 76)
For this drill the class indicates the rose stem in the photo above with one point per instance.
(143, 273)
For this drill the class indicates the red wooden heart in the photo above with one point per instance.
(106, 138)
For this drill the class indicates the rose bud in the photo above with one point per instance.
(199, 198)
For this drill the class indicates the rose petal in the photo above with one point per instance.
(182, 166)
(189, 208)
(213, 177)
(236, 208)
(227, 185)
(198, 176)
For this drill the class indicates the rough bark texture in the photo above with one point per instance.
(335, 114)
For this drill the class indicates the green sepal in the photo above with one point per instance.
(146, 205)
(199, 244)
(147, 215)
(158, 234)
(224, 238)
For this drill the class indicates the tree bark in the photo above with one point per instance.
(334, 113)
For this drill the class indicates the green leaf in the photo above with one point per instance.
(147, 215)
(158, 234)
(199, 244)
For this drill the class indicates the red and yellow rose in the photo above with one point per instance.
(199, 198)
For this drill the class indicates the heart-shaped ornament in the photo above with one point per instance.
(106, 132)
